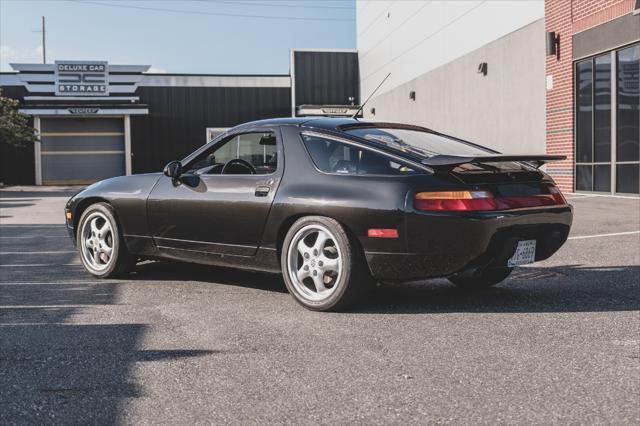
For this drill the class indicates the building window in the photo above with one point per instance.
(607, 155)
(628, 118)
(214, 132)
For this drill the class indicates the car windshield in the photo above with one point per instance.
(418, 142)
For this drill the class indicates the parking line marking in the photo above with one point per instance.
(613, 234)
(37, 252)
(56, 282)
(577, 196)
(29, 265)
(23, 237)
(30, 226)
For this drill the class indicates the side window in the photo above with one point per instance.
(260, 150)
(335, 157)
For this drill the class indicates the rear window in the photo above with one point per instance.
(335, 157)
(418, 142)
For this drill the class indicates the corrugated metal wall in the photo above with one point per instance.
(179, 116)
(326, 78)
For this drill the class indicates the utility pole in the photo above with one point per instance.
(44, 44)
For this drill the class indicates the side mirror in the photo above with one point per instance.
(173, 169)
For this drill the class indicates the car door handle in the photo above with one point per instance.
(262, 190)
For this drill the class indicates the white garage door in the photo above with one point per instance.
(81, 150)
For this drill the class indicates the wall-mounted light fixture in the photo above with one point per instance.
(483, 68)
(553, 44)
(412, 95)
(373, 111)
(352, 99)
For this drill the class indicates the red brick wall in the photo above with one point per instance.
(589, 13)
(560, 97)
(567, 17)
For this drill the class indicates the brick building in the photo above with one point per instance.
(592, 97)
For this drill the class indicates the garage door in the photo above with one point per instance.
(81, 150)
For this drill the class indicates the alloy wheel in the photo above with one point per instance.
(97, 241)
(314, 262)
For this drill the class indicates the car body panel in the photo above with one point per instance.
(219, 220)
(218, 214)
(128, 196)
(442, 244)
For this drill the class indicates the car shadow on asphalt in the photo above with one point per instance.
(571, 288)
(568, 288)
(12, 204)
(178, 271)
(57, 372)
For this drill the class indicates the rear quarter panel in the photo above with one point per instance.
(358, 202)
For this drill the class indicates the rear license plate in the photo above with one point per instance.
(525, 253)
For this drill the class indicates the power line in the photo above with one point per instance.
(374, 20)
(425, 39)
(287, 5)
(411, 16)
(194, 12)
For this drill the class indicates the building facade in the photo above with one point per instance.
(519, 76)
(555, 76)
(97, 120)
(593, 94)
(434, 51)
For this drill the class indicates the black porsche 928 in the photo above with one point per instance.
(333, 204)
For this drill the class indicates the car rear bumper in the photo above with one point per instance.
(443, 244)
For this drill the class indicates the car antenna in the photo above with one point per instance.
(372, 93)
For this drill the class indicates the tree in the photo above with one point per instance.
(15, 129)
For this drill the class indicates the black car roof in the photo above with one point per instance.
(337, 124)
(342, 125)
(316, 122)
(325, 123)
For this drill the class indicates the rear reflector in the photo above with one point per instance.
(383, 233)
(483, 200)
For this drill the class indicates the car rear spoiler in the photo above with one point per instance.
(449, 162)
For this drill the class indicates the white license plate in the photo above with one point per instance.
(525, 253)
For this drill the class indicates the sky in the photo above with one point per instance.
(188, 36)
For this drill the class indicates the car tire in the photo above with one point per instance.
(323, 268)
(99, 240)
(483, 279)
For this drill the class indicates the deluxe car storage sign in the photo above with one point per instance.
(81, 78)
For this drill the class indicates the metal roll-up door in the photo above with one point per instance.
(81, 150)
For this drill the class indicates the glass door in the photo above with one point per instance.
(628, 120)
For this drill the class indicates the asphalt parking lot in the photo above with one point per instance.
(558, 343)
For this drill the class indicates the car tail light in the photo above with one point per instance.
(454, 201)
(557, 195)
(483, 200)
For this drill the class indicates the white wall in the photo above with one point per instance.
(504, 110)
(409, 38)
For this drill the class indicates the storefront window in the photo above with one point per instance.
(595, 135)
(628, 117)
(584, 89)
(602, 111)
